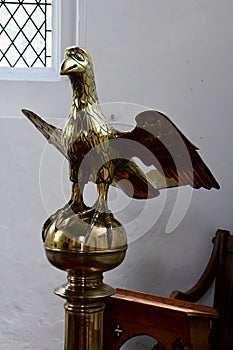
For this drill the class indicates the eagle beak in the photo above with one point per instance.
(67, 66)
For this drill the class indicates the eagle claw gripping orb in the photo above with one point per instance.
(86, 241)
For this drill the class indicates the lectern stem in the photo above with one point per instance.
(84, 325)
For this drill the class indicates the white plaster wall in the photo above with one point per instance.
(175, 56)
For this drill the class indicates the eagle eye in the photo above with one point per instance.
(79, 56)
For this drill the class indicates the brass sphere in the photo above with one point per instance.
(76, 245)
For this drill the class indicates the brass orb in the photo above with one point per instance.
(77, 246)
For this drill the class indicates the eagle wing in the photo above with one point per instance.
(137, 185)
(157, 141)
(50, 132)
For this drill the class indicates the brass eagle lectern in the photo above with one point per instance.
(86, 241)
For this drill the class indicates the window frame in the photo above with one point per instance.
(41, 73)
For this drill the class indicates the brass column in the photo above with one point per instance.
(84, 313)
(83, 325)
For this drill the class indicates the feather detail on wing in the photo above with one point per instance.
(50, 132)
(157, 141)
(135, 183)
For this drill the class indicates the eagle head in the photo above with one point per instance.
(76, 61)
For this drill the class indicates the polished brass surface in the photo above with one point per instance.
(88, 287)
(86, 241)
(84, 324)
(89, 262)
(97, 152)
(84, 311)
(75, 234)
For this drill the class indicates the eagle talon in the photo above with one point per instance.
(100, 217)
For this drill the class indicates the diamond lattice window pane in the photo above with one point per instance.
(39, 63)
(19, 15)
(12, 55)
(21, 63)
(49, 47)
(20, 42)
(30, 56)
(4, 15)
(12, 29)
(49, 19)
(25, 33)
(38, 43)
(38, 17)
(4, 62)
(30, 29)
(5, 42)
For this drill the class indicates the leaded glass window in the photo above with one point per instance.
(26, 33)
(29, 37)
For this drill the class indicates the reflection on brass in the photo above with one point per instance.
(84, 326)
(86, 241)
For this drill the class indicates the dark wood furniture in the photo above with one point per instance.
(220, 269)
(176, 324)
